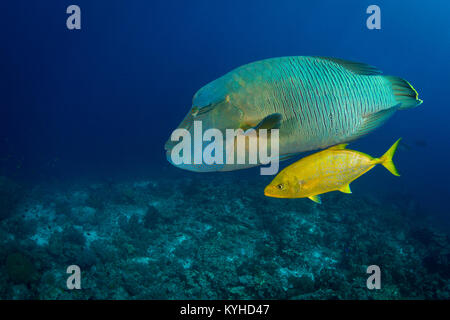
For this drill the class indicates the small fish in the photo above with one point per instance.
(404, 146)
(416, 143)
(421, 143)
(330, 170)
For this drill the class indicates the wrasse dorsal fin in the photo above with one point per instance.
(355, 67)
(316, 199)
(338, 146)
(272, 121)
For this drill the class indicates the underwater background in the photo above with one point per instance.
(84, 180)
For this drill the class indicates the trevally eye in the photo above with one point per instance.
(280, 186)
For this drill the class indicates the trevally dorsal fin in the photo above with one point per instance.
(288, 156)
(272, 121)
(355, 67)
(338, 146)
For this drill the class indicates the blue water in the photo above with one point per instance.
(99, 103)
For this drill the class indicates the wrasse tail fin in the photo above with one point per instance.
(316, 199)
(386, 159)
(404, 92)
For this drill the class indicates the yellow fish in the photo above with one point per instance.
(332, 169)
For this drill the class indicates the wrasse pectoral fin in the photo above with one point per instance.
(272, 121)
(316, 199)
(345, 189)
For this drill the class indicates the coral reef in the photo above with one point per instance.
(185, 238)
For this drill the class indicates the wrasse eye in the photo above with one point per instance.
(280, 186)
(194, 111)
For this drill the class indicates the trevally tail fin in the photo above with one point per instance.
(386, 159)
(404, 92)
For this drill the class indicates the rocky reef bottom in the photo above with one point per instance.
(186, 238)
